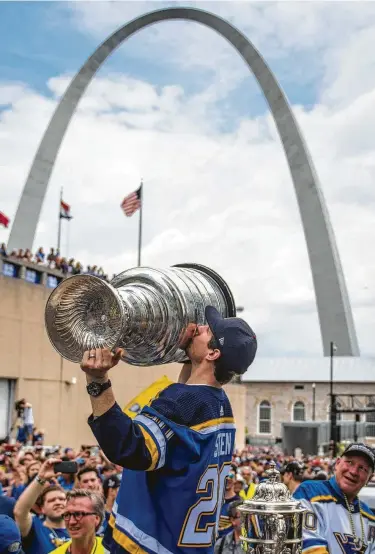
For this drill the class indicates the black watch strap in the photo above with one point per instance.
(96, 389)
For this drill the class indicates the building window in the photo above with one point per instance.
(265, 417)
(299, 411)
(370, 421)
(299, 387)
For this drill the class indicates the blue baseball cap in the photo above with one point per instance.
(10, 536)
(235, 340)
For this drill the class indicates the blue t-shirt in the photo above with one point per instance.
(42, 540)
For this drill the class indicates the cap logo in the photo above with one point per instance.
(221, 341)
(14, 547)
(221, 410)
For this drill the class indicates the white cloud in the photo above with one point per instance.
(221, 198)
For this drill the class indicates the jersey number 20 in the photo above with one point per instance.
(211, 484)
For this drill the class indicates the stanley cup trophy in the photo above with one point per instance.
(148, 312)
(272, 521)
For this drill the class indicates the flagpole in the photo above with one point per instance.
(140, 225)
(59, 227)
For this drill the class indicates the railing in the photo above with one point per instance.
(30, 272)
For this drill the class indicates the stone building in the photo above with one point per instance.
(284, 390)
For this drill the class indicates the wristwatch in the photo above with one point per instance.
(96, 389)
(40, 480)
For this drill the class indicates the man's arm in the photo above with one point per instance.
(22, 508)
(122, 441)
(142, 443)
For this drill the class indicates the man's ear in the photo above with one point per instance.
(213, 355)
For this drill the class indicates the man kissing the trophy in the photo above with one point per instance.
(179, 448)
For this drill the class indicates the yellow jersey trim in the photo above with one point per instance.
(212, 423)
(127, 543)
(316, 550)
(369, 516)
(324, 498)
(151, 447)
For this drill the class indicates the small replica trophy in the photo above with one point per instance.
(272, 520)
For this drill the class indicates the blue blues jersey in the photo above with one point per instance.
(327, 528)
(179, 451)
(42, 540)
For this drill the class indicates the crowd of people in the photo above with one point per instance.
(53, 260)
(49, 508)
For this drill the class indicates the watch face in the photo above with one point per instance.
(94, 389)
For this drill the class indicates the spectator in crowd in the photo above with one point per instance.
(83, 515)
(28, 418)
(31, 471)
(3, 249)
(40, 537)
(231, 543)
(51, 258)
(111, 486)
(88, 478)
(10, 537)
(225, 523)
(292, 475)
(40, 256)
(337, 521)
(248, 490)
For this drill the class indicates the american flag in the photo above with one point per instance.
(132, 202)
(4, 220)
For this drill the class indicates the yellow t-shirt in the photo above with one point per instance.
(98, 548)
(249, 493)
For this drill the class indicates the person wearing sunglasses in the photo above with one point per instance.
(83, 516)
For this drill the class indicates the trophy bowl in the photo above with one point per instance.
(146, 311)
(272, 522)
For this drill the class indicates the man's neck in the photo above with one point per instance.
(57, 524)
(83, 546)
(237, 534)
(293, 486)
(202, 375)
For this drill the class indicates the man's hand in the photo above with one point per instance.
(46, 471)
(187, 337)
(97, 362)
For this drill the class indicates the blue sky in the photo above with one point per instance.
(177, 106)
(39, 40)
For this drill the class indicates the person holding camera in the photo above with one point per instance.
(41, 537)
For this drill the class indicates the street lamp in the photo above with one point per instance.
(333, 415)
(313, 402)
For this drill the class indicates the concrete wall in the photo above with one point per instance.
(62, 408)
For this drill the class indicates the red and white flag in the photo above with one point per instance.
(64, 210)
(132, 202)
(4, 220)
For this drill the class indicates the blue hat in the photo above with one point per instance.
(235, 340)
(10, 536)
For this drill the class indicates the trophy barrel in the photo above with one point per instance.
(146, 311)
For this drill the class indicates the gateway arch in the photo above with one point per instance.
(334, 310)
